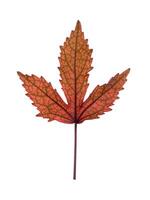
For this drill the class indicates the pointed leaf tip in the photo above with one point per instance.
(127, 71)
(78, 25)
(19, 73)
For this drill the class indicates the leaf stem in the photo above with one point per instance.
(75, 151)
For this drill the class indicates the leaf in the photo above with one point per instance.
(45, 98)
(75, 64)
(102, 97)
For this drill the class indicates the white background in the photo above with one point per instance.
(36, 157)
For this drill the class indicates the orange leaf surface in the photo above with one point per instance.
(45, 98)
(75, 64)
(102, 97)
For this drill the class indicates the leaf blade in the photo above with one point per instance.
(75, 63)
(102, 97)
(45, 98)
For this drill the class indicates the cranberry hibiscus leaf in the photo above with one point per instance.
(75, 64)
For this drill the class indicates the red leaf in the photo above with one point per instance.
(45, 98)
(75, 64)
(102, 98)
